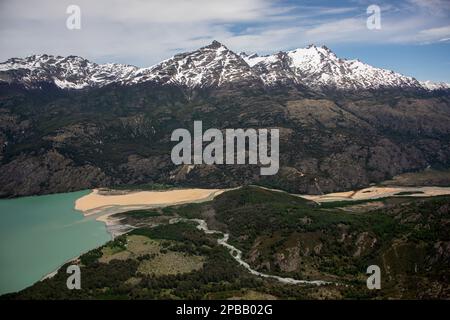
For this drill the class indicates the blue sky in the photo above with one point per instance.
(424, 62)
(414, 38)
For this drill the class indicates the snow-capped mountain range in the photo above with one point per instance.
(213, 66)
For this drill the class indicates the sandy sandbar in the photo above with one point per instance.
(96, 202)
(379, 192)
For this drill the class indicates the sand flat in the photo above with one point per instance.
(379, 192)
(95, 202)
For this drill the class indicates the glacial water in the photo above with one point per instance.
(40, 233)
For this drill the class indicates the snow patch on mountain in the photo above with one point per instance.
(319, 67)
(213, 66)
(435, 85)
(70, 72)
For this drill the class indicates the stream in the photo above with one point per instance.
(237, 254)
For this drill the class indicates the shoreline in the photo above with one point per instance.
(97, 201)
(103, 205)
(115, 228)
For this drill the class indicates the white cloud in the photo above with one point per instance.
(145, 32)
(436, 7)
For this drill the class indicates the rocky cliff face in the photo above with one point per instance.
(342, 125)
(54, 142)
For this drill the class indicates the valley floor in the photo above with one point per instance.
(103, 204)
(255, 242)
(380, 192)
(99, 200)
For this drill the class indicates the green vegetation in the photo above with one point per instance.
(190, 211)
(343, 204)
(407, 193)
(144, 213)
(427, 177)
(171, 263)
(253, 212)
(285, 235)
(278, 234)
(144, 187)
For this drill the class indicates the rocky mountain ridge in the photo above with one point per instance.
(213, 66)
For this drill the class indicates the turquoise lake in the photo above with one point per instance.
(40, 233)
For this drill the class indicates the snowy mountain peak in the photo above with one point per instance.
(319, 67)
(71, 72)
(212, 65)
(316, 67)
(435, 85)
(216, 45)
